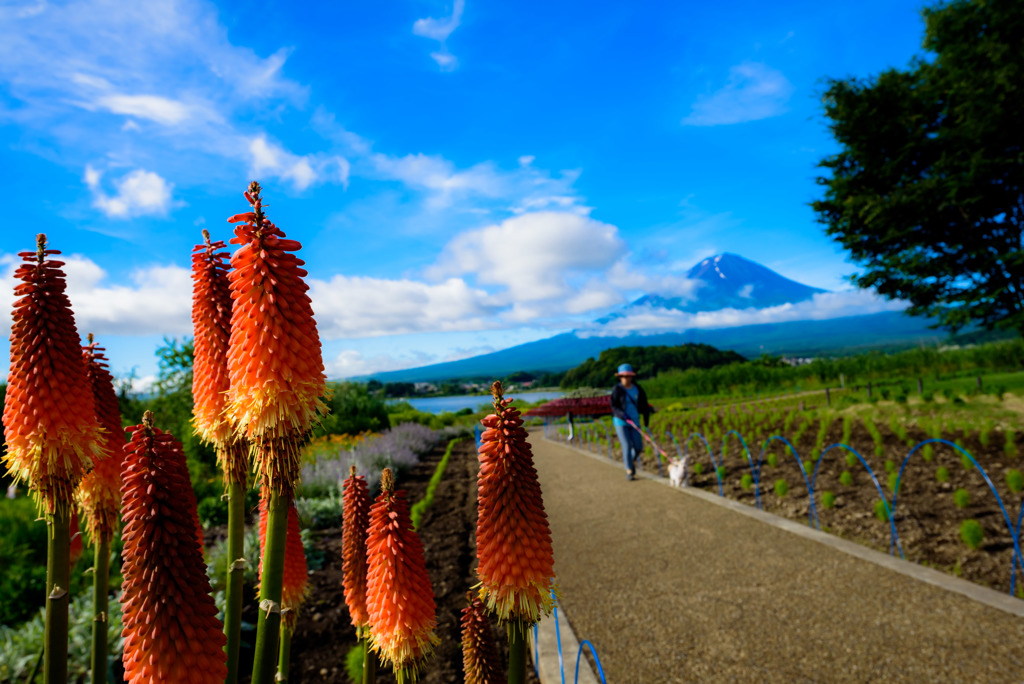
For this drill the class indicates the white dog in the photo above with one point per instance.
(678, 475)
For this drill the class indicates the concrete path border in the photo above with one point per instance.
(549, 669)
(976, 592)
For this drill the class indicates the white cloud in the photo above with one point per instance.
(350, 363)
(753, 91)
(139, 193)
(533, 256)
(352, 307)
(440, 30)
(268, 158)
(155, 300)
(153, 107)
(822, 306)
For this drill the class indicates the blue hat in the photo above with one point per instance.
(626, 369)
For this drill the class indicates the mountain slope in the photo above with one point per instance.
(795, 338)
(730, 281)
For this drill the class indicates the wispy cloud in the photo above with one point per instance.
(439, 30)
(86, 74)
(753, 91)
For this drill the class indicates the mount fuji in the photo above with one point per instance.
(724, 281)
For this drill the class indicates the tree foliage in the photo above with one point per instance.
(353, 409)
(927, 192)
(646, 361)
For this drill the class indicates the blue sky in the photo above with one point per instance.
(464, 176)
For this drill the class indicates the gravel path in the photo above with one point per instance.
(670, 588)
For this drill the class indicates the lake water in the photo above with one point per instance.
(451, 404)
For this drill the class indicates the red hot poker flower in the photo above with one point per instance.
(355, 521)
(49, 421)
(399, 597)
(274, 358)
(171, 631)
(480, 660)
(513, 540)
(211, 323)
(296, 574)
(100, 491)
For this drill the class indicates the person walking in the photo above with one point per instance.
(629, 402)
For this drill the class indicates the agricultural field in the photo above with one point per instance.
(945, 513)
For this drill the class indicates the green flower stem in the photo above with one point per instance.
(369, 663)
(58, 577)
(236, 572)
(100, 602)
(284, 656)
(516, 652)
(268, 626)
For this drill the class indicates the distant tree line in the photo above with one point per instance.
(647, 362)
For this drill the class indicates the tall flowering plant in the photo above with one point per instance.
(100, 496)
(49, 425)
(211, 325)
(513, 539)
(399, 597)
(276, 377)
(480, 661)
(170, 626)
(355, 524)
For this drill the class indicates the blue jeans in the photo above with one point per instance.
(632, 445)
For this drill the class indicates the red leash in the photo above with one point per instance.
(645, 436)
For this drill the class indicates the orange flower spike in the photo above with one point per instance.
(211, 325)
(513, 539)
(480, 660)
(170, 626)
(296, 574)
(354, 526)
(399, 597)
(274, 359)
(49, 421)
(100, 491)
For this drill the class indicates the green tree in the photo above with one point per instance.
(353, 410)
(927, 192)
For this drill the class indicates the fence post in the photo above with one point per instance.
(979, 382)
(869, 390)
(920, 386)
(842, 381)
(828, 399)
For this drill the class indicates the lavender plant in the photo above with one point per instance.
(398, 448)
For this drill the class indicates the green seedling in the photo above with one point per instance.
(746, 482)
(927, 452)
(846, 478)
(721, 472)
(972, 533)
(893, 477)
(851, 459)
(1015, 481)
(781, 488)
(882, 510)
(773, 460)
(698, 468)
(1010, 447)
(966, 462)
(961, 498)
(828, 499)
(808, 468)
(890, 466)
(942, 474)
